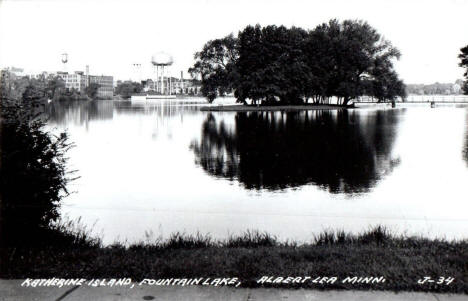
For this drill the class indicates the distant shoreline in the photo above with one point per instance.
(286, 108)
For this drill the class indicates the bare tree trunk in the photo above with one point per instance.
(346, 100)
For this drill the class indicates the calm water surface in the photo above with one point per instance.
(153, 169)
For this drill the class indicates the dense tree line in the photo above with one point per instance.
(435, 88)
(128, 88)
(463, 56)
(49, 87)
(275, 64)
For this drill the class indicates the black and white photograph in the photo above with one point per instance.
(234, 150)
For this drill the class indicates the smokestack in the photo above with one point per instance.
(87, 76)
(182, 82)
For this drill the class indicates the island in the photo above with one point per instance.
(329, 66)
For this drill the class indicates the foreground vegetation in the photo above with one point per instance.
(401, 260)
(34, 173)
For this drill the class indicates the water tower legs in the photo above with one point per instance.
(155, 83)
(162, 80)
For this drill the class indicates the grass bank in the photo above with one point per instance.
(286, 108)
(402, 261)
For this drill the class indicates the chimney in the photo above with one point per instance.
(182, 82)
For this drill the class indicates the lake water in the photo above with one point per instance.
(148, 170)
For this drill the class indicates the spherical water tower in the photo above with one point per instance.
(161, 61)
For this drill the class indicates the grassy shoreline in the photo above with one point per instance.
(402, 261)
(285, 108)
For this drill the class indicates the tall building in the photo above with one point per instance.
(173, 85)
(75, 81)
(80, 81)
(106, 85)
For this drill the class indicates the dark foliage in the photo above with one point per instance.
(278, 65)
(271, 65)
(463, 56)
(46, 87)
(402, 260)
(33, 169)
(216, 65)
(92, 90)
(128, 88)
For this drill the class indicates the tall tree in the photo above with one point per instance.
(279, 65)
(271, 64)
(463, 56)
(345, 56)
(216, 64)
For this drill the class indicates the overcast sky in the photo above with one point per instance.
(111, 35)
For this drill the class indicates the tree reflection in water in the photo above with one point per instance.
(465, 145)
(340, 151)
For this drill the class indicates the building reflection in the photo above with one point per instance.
(165, 109)
(339, 151)
(81, 113)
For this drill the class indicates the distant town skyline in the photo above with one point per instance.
(111, 36)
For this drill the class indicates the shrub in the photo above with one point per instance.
(33, 169)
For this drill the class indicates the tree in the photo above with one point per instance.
(33, 169)
(216, 64)
(279, 65)
(55, 87)
(385, 85)
(271, 65)
(127, 88)
(463, 56)
(346, 58)
(92, 89)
